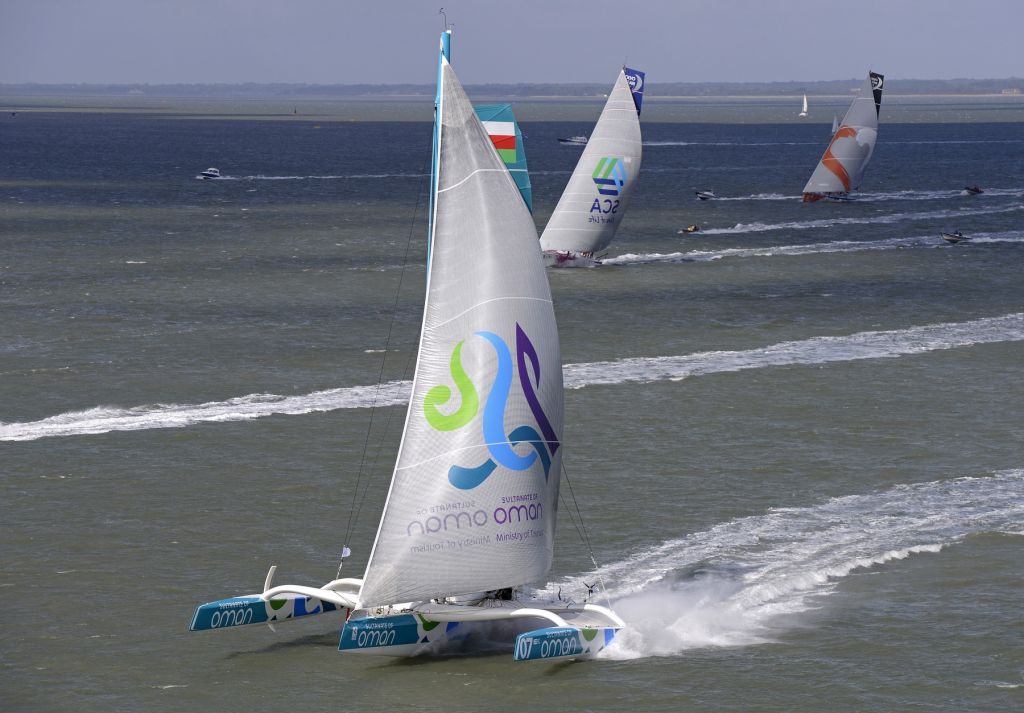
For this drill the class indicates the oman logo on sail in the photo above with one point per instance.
(500, 446)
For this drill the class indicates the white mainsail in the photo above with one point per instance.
(842, 166)
(474, 491)
(803, 112)
(590, 209)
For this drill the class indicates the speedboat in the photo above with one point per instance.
(973, 190)
(574, 141)
(692, 228)
(954, 237)
(705, 195)
(210, 173)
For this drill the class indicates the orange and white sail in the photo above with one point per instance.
(842, 166)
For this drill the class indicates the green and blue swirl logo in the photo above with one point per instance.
(500, 446)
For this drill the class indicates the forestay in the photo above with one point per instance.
(842, 166)
(472, 500)
(595, 199)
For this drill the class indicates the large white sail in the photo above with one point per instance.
(842, 166)
(595, 199)
(473, 496)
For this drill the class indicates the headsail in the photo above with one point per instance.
(590, 209)
(472, 500)
(502, 127)
(842, 166)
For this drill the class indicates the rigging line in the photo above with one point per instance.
(572, 518)
(356, 507)
(410, 360)
(585, 535)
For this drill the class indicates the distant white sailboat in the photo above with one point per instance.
(803, 112)
(595, 199)
(842, 166)
(470, 513)
(835, 124)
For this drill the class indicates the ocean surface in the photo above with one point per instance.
(796, 437)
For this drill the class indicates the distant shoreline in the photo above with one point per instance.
(565, 92)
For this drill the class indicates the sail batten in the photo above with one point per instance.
(472, 500)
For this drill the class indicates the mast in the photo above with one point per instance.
(443, 56)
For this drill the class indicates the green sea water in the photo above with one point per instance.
(795, 436)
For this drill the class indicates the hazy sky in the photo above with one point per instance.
(506, 41)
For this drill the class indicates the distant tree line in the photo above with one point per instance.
(654, 89)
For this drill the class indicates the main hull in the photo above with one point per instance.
(530, 630)
(568, 258)
(814, 197)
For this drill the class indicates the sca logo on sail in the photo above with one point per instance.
(610, 178)
(500, 446)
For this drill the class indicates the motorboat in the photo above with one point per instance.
(210, 173)
(692, 228)
(973, 190)
(574, 140)
(954, 237)
(705, 195)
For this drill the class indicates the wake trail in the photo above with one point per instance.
(907, 195)
(838, 246)
(741, 581)
(742, 228)
(815, 350)
(329, 177)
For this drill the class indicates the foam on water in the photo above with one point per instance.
(329, 177)
(732, 143)
(742, 581)
(838, 246)
(760, 197)
(816, 350)
(742, 228)
(907, 195)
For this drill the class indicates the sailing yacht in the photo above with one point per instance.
(469, 518)
(803, 112)
(595, 199)
(842, 166)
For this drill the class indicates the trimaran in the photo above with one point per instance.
(842, 166)
(595, 199)
(470, 514)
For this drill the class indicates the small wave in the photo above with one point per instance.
(742, 228)
(730, 585)
(816, 350)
